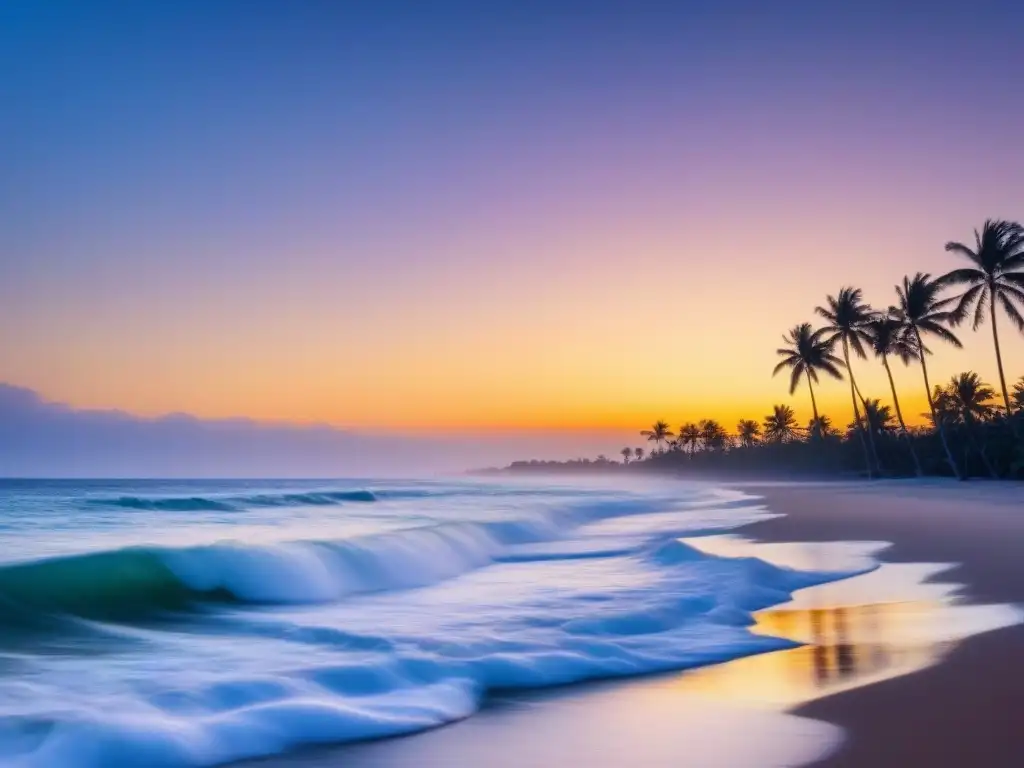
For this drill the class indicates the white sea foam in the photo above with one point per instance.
(275, 644)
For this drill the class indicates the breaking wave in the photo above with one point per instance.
(280, 645)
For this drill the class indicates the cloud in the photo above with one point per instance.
(39, 438)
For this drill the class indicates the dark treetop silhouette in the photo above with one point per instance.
(967, 431)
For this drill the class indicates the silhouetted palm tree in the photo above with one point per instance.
(748, 431)
(970, 397)
(780, 426)
(1018, 394)
(889, 337)
(847, 316)
(921, 311)
(822, 426)
(805, 354)
(713, 435)
(996, 275)
(657, 434)
(639, 453)
(879, 417)
(970, 401)
(945, 410)
(689, 436)
(627, 454)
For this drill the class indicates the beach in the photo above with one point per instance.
(939, 703)
(464, 623)
(966, 709)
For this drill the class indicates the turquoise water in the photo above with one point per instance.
(198, 623)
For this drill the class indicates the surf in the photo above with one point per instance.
(235, 648)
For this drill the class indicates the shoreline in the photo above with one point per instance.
(958, 707)
(965, 709)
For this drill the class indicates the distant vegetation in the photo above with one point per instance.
(972, 430)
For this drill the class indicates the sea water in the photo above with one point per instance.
(198, 623)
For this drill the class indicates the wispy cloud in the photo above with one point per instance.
(42, 438)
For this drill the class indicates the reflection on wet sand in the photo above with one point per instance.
(889, 622)
(845, 647)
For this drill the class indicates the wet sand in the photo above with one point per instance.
(966, 710)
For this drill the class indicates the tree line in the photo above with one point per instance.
(971, 429)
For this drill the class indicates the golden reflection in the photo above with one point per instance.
(844, 647)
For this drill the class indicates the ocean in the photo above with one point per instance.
(197, 623)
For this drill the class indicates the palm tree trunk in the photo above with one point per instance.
(931, 406)
(856, 411)
(999, 354)
(870, 430)
(899, 415)
(814, 406)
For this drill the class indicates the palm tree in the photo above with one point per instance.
(657, 434)
(889, 337)
(805, 354)
(970, 397)
(713, 435)
(749, 431)
(689, 436)
(945, 409)
(877, 416)
(921, 311)
(627, 454)
(1018, 394)
(639, 453)
(780, 425)
(847, 315)
(996, 274)
(969, 400)
(822, 426)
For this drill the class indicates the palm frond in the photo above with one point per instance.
(965, 251)
(794, 380)
(979, 310)
(1012, 311)
(934, 328)
(965, 301)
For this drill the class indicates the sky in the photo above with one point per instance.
(461, 216)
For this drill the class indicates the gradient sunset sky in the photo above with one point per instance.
(447, 216)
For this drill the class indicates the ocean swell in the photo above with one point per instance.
(235, 503)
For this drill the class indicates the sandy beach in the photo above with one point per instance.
(966, 709)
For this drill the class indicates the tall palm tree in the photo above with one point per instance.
(657, 434)
(689, 436)
(996, 274)
(888, 337)
(780, 425)
(920, 311)
(805, 354)
(713, 435)
(627, 454)
(847, 315)
(748, 431)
